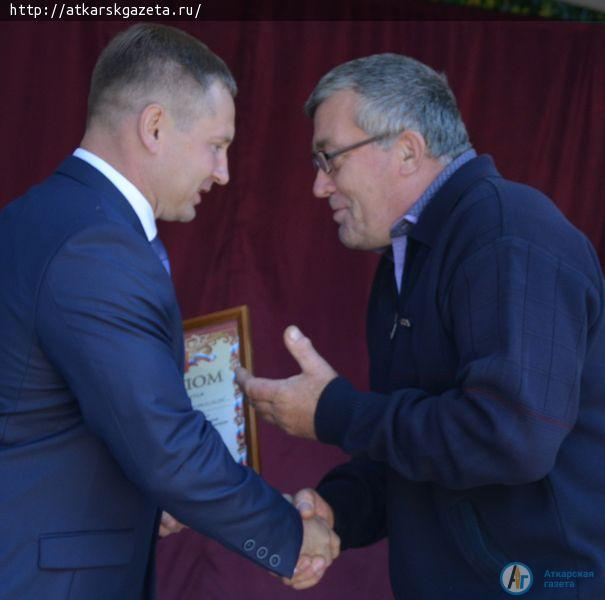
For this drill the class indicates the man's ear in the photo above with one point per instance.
(411, 150)
(151, 126)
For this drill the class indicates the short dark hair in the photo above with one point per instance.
(150, 62)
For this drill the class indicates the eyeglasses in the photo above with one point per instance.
(322, 160)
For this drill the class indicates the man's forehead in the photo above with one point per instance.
(216, 99)
(334, 120)
(220, 119)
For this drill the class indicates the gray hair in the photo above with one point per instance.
(396, 93)
(148, 63)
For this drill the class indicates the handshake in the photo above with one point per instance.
(320, 545)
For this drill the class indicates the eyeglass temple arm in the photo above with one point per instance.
(331, 155)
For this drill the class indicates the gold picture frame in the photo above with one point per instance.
(215, 344)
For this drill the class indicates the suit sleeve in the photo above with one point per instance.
(521, 321)
(105, 318)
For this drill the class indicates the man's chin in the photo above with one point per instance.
(355, 242)
(187, 217)
(181, 217)
(346, 239)
(188, 213)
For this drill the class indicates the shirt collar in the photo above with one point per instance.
(135, 198)
(403, 225)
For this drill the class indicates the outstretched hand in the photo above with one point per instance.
(290, 403)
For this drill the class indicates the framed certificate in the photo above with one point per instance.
(215, 344)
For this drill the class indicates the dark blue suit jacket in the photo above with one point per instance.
(96, 428)
(483, 440)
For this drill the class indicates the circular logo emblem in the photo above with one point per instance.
(516, 578)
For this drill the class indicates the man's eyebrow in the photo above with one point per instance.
(320, 144)
(227, 139)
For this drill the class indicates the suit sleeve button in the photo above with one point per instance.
(249, 545)
(274, 560)
(262, 552)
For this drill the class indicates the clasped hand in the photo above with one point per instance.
(320, 546)
(169, 525)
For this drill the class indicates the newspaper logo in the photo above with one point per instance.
(516, 578)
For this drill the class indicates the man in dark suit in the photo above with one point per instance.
(479, 450)
(96, 428)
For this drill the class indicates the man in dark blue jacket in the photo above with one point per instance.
(96, 429)
(479, 450)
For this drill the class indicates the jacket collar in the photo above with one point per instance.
(114, 202)
(437, 211)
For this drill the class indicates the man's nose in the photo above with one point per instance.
(323, 186)
(221, 172)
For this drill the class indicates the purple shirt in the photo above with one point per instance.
(400, 230)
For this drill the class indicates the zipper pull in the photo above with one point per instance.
(394, 327)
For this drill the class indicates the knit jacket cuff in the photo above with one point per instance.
(334, 411)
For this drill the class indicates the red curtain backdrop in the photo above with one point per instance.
(532, 95)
